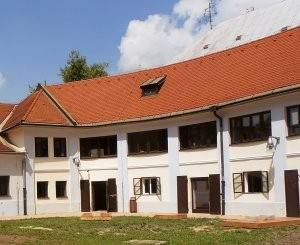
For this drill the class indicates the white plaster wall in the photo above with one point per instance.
(150, 203)
(11, 165)
(53, 204)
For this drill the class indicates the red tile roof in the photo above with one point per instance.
(5, 110)
(36, 108)
(258, 67)
(5, 149)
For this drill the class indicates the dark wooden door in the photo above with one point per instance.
(291, 193)
(214, 194)
(182, 194)
(112, 195)
(85, 195)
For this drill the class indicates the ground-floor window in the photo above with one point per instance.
(147, 186)
(61, 189)
(42, 189)
(4, 186)
(251, 182)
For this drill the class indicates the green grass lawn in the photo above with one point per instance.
(121, 229)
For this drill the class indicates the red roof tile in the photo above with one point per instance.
(5, 110)
(250, 69)
(36, 108)
(5, 149)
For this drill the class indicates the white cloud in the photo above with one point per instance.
(2, 80)
(159, 38)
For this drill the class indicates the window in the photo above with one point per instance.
(148, 142)
(60, 149)
(251, 182)
(41, 147)
(152, 86)
(98, 147)
(4, 186)
(61, 189)
(198, 136)
(42, 189)
(146, 186)
(293, 120)
(250, 127)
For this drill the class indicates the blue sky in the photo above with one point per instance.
(36, 36)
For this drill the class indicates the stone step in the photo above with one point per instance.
(96, 216)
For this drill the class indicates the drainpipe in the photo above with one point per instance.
(24, 187)
(222, 160)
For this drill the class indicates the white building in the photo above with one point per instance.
(188, 137)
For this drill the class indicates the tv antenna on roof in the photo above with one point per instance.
(210, 12)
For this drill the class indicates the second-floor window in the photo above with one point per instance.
(60, 148)
(198, 136)
(41, 147)
(148, 142)
(293, 120)
(98, 147)
(250, 128)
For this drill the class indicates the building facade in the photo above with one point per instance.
(218, 134)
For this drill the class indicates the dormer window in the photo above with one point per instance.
(153, 85)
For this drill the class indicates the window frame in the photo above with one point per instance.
(35, 147)
(139, 187)
(201, 127)
(7, 194)
(147, 141)
(289, 126)
(65, 196)
(239, 119)
(47, 190)
(98, 139)
(65, 147)
(244, 176)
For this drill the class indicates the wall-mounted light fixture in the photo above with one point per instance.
(76, 161)
(272, 143)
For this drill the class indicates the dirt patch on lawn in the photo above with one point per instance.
(288, 239)
(11, 239)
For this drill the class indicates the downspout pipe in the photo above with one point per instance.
(215, 111)
(24, 187)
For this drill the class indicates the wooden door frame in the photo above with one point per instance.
(192, 181)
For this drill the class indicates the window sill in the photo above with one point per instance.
(62, 198)
(294, 136)
(198, 148)
(147, 153)
(240, 193)
(248, 142)
(5, 197)
(43, 198)
(95, 158)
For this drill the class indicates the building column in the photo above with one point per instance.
(173, 161)
(122, 181)
(227, 170)
(74, 184)
(279, 157)
(29, 175)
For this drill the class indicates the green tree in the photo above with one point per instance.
(77, 68)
